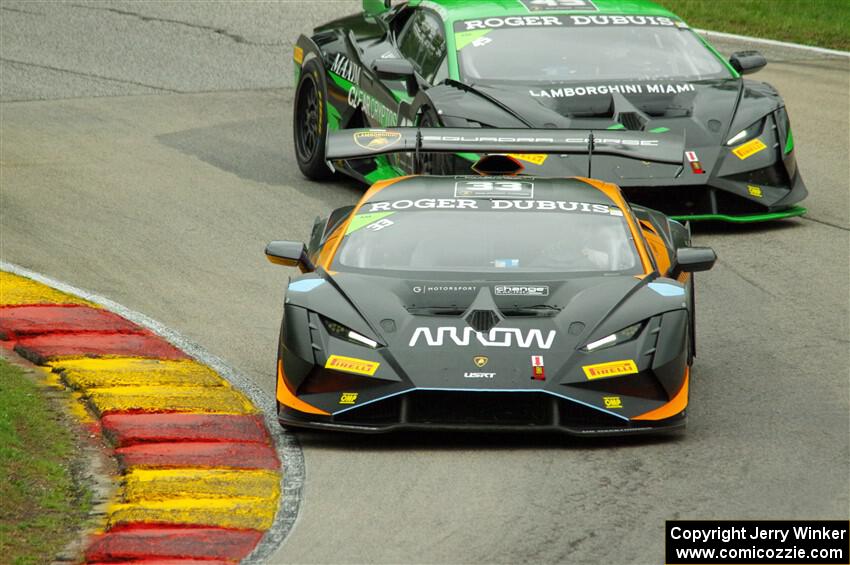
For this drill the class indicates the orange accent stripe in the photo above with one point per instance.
(676, 404)
(286, 397)
(612, 191)
(326, 256)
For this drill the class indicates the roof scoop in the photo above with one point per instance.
(494, 165)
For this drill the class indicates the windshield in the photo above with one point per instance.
(582, 49)
(518, 236)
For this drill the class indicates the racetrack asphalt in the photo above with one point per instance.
(147, 156)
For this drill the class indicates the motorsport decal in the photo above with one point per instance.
(612, 369)
(376, 139)
(344, 68)
(521, 290)
(425, 288)
(372, 107)
(494, 188)
(754, 190)
(696, 166)
(496, 337)
(352, 365)
(649, 88)
(612, 401)
(582, 141)
(536, 159)
(749, 149)
(462, 203)
(348, 398)
(560, 5)
(564, 21)
(538, 371)
(480, 360)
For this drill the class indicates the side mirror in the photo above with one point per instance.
(693, 259)
(747, 62)
(376, 7)
(397, 69)
(290, 254)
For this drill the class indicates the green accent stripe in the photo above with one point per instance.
(789, 213)
(340, 82)
(789, 142)
(659, 130)
(469, 156)
(616, 126)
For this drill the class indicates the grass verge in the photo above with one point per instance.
(822, 23)
(41, 507)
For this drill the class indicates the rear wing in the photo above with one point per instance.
(366, 143)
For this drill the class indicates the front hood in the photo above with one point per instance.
(702, 111)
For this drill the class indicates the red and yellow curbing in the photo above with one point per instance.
(200, 475)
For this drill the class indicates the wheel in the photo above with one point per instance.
(309, 122)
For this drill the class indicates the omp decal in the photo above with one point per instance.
(376, 139)
(521, 290)
(754, 191)
(348, 398)
(538, 21)
(538, 371)
(612, 401)
(305, 285)
(480, 360)
(652, 88)
(494, 188)
(298, 55)
(666, 289)
(749, 149)
(611, 369)
(534, 158)
(362, 220)
(352, 365)
(496, 337)
(560, 5)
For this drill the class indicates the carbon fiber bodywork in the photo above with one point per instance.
(506, 351)
(751, 180)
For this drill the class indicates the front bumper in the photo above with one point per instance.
(478, 411)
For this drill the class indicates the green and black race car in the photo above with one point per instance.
(598, 67)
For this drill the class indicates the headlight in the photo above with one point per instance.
(617, 338)
(747, 134)
(339, 331)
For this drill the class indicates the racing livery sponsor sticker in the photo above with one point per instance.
(344, 68)
(494, 189)
(534, 158)
(480, 360)
(538, 371)
(376, 139)
(696, 167)
(601, 89)
(352, 365)
(612, 401)
(612, 369)
(479, 375)
(754, 191)
(496, 337)
(564, 20)
(361, 221)
(426, 288)
(521, 290)
(470, 204)
(559, 5)
(749, 149)
(348, 398)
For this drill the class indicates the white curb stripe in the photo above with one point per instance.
(288, 449)
(822, 50)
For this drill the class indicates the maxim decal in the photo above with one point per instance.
(497, 337)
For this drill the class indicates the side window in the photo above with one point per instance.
(423, 43)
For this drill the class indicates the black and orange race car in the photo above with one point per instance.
(488, 302)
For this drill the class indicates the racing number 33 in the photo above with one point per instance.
(488, 188)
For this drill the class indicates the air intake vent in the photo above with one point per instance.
(632, 120)
(482, 320)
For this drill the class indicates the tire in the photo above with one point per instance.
(309, 122)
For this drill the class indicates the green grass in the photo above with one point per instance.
(823, 23)
(41, 508)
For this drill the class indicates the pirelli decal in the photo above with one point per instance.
(749, 149)
(352, 365)
(612, 369)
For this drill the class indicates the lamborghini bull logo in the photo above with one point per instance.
(497, 337)
(376, 139)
